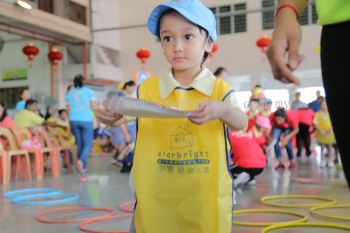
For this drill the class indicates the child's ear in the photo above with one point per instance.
(210, 45)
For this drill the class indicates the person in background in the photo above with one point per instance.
(284, 123)
(5, 120)
(297, 103)
(266, 108)
(25, 95)
(316, 104)
(247, 156)
(325, 135)
(261, 130)
(28, 117)
(221, 72)
(253, 113)
(305, 117)
(334, 16)
(79, 103)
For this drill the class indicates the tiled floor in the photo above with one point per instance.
(108, 188)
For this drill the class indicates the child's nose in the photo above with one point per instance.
(178, 46)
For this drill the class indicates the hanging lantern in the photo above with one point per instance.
(263, 43)
(214, 49)
(55, 56)
(143, 54)
(31, 51)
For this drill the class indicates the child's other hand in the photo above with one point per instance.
(208, 110)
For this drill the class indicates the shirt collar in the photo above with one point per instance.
(204, 83)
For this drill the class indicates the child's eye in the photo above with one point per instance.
(189, 37)
(166, 38)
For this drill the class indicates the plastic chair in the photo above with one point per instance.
(22, 134)
(59, 141)
(48, 147)
(11, 152)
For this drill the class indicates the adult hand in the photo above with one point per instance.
(285, 42)
(104, 115)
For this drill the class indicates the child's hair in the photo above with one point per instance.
(30, 102)
(219, 71)
(129, 84)
(254, 100)
(172, 11)
(281, 112)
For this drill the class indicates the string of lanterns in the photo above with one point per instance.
(31, 51)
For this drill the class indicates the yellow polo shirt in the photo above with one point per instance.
(204, 83)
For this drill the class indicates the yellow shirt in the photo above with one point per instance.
(182, 179)
(27, 119)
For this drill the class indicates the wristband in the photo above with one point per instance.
(287, 5)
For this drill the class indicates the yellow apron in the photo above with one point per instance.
(182, 179)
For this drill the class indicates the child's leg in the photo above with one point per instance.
(330, 156)
(323, 159)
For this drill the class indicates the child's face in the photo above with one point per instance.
(183, 43)
(324, 106)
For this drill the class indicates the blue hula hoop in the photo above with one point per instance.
(70, 197)
(38, 192)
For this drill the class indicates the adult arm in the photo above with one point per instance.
(285, 43)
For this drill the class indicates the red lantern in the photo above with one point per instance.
(143, 54)
(214, 49)
(55, 56)
(263, 42)
(31, 51)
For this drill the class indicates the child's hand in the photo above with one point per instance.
(105, 116)
(208, 110)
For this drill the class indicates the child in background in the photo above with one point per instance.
(182, 182)
(324, 133)
(247, 156)
(253, 113)
(261, 130)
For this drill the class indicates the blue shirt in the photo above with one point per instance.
(79, 101)
(315, 106)
(20, 105)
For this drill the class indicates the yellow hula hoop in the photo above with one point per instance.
(266, 201)
(308, 224)
(314, 211)
(303, 218)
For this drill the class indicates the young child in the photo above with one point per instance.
(181, 174)
(324, 133)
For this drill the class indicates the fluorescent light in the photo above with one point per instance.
(24, 4)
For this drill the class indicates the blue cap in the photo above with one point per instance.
(267, 101)
(193, 10)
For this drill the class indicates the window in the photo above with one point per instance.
(240, 20)
(225, 21)
(46, 5)
(231, 18)
(77, 13)
(268, 13)
(308, 16)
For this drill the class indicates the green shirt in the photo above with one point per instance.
(333, 11)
